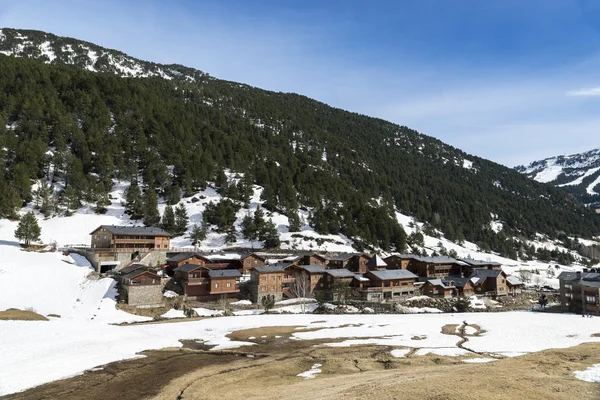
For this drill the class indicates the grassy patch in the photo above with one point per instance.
(12, 314)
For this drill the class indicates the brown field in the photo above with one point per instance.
(268, 370)
(12, 314)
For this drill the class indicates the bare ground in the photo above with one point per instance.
(268, 370)
(13, 314)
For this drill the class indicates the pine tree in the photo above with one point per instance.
(28, 229)
(181, 219)
(270, 236)
(151, 215)
(197, 234)
(134, 204)
(168, 220)
(231, 236)
(294, 221)
(249, 230)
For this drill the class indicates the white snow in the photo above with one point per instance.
(400, 353)
(296, 301)
(469, 330)
(479, 360)
(173, 313)
(242, 303)
(467, 164)
(548, 174)
(205, 312)
(170, 294)
(591, 374)
(311, 373)
(591, 186)
(442, 351)
(579, 180)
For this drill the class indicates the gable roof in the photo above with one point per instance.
(377, 262)
(572, 276)
(246, 255)
(479, 275)
(345, 256)
(439, 282)
(183, 256)
(313, 269)
(279, 267)
(188, 267)
(459, 282)
(340, 273)
(139, 272)
(133, 267)
(392, 274)
(134, 230)
(474, 263)
(224, 273)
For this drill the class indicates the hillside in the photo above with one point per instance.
(578, 174)
(77, 118)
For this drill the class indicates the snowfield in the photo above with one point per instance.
(66, 347)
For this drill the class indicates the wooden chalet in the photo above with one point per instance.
(377, 263)
(434, 267)
(438, 288)
(193, 279)
(269, 280)
(187, 258)
(130, 237)
(397, 261)
(388, 285)
(338, 284)
(464, 286)
(224, 281)
(489, 281)
(515, 286)
(308, 259)
(580, 292)
(355, 262)
(472, 264)
(140, 287)
(250, 260)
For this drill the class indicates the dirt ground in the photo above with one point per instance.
(268, 369)
(13, 314)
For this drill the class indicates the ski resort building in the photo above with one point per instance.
(130, 237)
(580, 292)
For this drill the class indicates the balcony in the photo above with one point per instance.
(132, 241)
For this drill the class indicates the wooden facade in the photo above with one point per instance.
(388, 285)
(140, 277)
(396, 262)
(130, 237)
(486, 281)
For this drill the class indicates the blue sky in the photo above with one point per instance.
(512, 81)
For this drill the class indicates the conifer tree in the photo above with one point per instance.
(181, 219)
(197, 234)
(28, 229)
(151, 215)
(168, 220)
(134, 204)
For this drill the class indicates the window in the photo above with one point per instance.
(404, 283)
(273, 288)
(216, 285)
(590, 299)
(104, 237)
(136, 281)
(228, 284)
(263, 278)
(153, 280)
(272, 278)
(165, 246)
(396, 283)
(278, 278)
(263, 288)
(435, 291)
(247, 262)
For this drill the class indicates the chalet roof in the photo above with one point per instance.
(431, 260)
(313, 269)
(279, 267)
(459, 282)
(134, 230)
(376, 262)
(392, 274)
(361, 277)
(138, 272)
(182, 256)
(439, 282)
(487, 273)
(244, 255)
(572, 276)
(513, 280)
(132, 267)
(475, 263)
(188, 267)
(344, 256)
(340, 273)
(222, 273)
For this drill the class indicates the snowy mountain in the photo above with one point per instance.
(328, 179)
(56, 50)
(579, 174)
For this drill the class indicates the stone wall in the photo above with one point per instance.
(257, 297)
(146, 295)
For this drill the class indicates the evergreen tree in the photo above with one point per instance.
(294, 221)
(270, 236)
(249, 230)
(197, 234)
(134, 204)
(28, 229)
(151, 215)
(168, 220)
(181, 219)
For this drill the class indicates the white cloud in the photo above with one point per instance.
(594, 91)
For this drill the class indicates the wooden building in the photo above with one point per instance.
(250, 260)
(180, 259)
(355, 262)
(438, 288)
(434, 267)
(338, 284)
(193, 279)
(515, 286)
(269, 281)
(464, 286)
(224, 282)
(140, 288)
(308, 259)
(130, 237)
(377, 263)
(397, 261)
(489, 281)
(388, 285)
(472, 264)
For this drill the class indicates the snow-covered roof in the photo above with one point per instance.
(439, 282)
(513, 280)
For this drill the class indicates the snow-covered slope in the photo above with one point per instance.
(58, 50)
(577, 173)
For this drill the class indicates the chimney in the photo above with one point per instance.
(585, 270)
(578, 275)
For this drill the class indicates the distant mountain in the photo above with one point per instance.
(578, 174)
(76, 116)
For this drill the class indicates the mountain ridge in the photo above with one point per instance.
(578, 174)
(349, 172)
